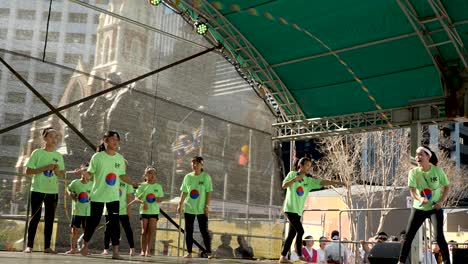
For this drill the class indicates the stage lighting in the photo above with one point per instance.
(201, 27)
(154, 2)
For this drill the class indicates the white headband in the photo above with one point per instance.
(428, 152)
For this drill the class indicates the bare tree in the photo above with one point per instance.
(457, 177)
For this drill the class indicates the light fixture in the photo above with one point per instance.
(201, 27)
(154, 2)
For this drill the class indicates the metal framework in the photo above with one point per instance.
(424, 113)
(440, 15)
(249, 61)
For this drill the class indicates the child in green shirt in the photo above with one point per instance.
(195, 199)
(149, 194)
(298, 185)
(45, 164)
(79, 191)
(107, 167)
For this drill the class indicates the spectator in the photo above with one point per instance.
(452, 244)
(322, 259)
(333, 252)
(308, 252)
(243, 251)
(393, 239)
(436, 252)
(402, 235)
(225, 250)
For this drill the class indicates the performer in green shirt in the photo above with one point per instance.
(45, 164)
(149, 194)
(298, 186)
(195, 199)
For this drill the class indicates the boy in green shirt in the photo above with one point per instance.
(79, 191)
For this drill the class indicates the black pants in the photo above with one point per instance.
(125, 222)
(203, 224)
(295, 230)
(50, 203)
(415, 221)
(112, 222)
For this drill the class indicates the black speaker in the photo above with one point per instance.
(459, 255)
(386, 253)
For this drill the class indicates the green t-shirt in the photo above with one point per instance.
(148, 192)
(428, 184)
(196, 187)
(124, 189)
(46, 181)
(82, 191)
(107, 171)
(296, 194)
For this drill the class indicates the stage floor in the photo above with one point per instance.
(7, 257)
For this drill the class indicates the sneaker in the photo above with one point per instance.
(189, 255)
(27, 250)
(105, 252)
(302, 258)
(49, 251)
(132, 252)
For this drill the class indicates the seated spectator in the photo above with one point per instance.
(381, 237)
(393, 239)
(308, 252)
(322, 259)
(243, 251)
(225, 250)
(332, 250)
(402, 236)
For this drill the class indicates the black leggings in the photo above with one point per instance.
(112, 221)
(50, 203)
(415, 221)
(203, 224)
(125, 222)
(295, 228)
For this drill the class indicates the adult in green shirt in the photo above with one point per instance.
(45, 164)
(195, 199)
(149, 194)
(107, 167)
(79, 191)
(429, 188)
(298, 185)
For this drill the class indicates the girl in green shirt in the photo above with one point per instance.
(298, 185)
(149, 194)
(195, 199)
(429, 188)
(45, 164)
(107, 167)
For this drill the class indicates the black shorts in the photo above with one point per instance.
(149, 216)
(78, 221)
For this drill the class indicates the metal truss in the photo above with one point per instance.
(243, 54)
(423, 113)
(439, 15)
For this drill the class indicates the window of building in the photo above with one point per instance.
(3, 33)
(4, 12)
(71, 58)
(52, 36)
(12, 118)
(22, 73)
(11, 140)
(6, 161)
(54, 16)
(75, 38)
(45, 77)
(26, 14)
(96, 19)
(47, 96)
(102, 2)
(16, 97)
(19, 57)
(22, 34)
(77, 17)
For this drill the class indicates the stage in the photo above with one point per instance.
(7, 257)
